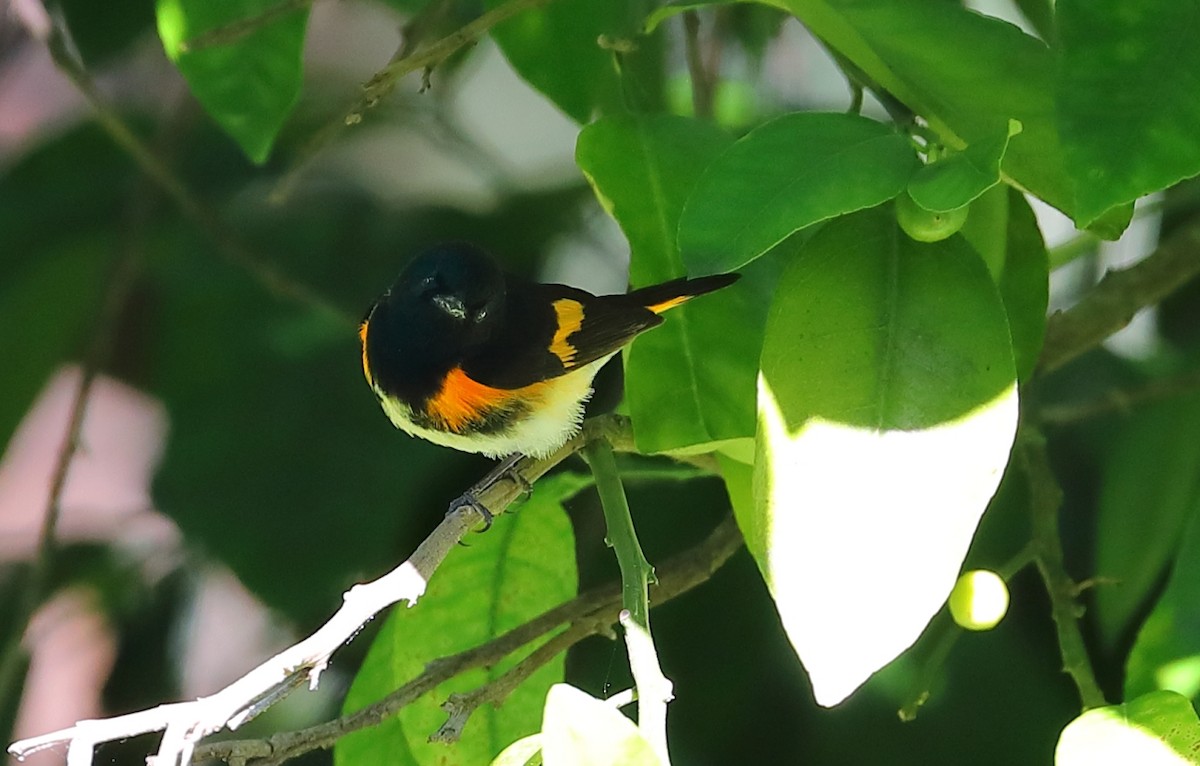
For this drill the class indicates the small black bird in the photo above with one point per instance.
(469, 357)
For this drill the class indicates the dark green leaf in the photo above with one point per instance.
(556, 50)
(1156, 729)
(887, 408)
(1040, 15)
(103, 30)
(314, 481)
(792, 172)
(1004, 230)
(1166, 654)
(1151, 489)
(248, 86)
(45, 309)
(689, 383)
(1126, 98)
(524, 565)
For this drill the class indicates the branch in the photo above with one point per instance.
(1112, 303)
(590, 613)
(185, 723)
(1045, 498)
(116, 294)
(228, 244)
(703, 81)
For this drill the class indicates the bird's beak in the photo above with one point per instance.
(452, 305)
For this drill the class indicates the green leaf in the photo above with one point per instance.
(887, 408)
(957, 180)
(580, 730)
(555, 50)
(1166, 654)
(524, 565)
(1156, 729)
(965, 73)
(1141, 515)
(248, 86)
(45, 308)
(690, 383)
(1126, 98)
(1003, 229)
(790, 173)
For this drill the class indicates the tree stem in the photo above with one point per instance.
(1045, 498)
(654, 690)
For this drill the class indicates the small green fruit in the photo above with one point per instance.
(925, 225)
(979, 600)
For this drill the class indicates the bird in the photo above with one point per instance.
(466, 356)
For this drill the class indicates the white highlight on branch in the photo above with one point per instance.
(185, 723)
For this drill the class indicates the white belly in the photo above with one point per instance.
(539, 434)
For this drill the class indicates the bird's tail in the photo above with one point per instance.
(668, 295)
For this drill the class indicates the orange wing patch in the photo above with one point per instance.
(362, 336)
(569, 316)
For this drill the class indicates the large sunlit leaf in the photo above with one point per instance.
(1166, 654)
(690, 383)
(887, 408)
(1150, 491)
(794, 171)
(1126, 98)
(248, 86)
(1004, 231)
(1156, 729)
(580, 730)
(524, 565)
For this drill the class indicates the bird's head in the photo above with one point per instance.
(453, 292)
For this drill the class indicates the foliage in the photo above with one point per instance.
(871, 406)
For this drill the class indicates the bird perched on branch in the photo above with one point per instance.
(466, 356)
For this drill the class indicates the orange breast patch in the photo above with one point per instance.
(463, 402)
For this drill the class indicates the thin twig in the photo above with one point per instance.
(654, 690)
(1045, 498)
(402, 63)
(598, 609)
(461, 706)
(1121, 400)
(943, 634)
(1112, 303)
(116, 295)
(228, 244)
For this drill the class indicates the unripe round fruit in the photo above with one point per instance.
(979, 600)
(925, 225)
